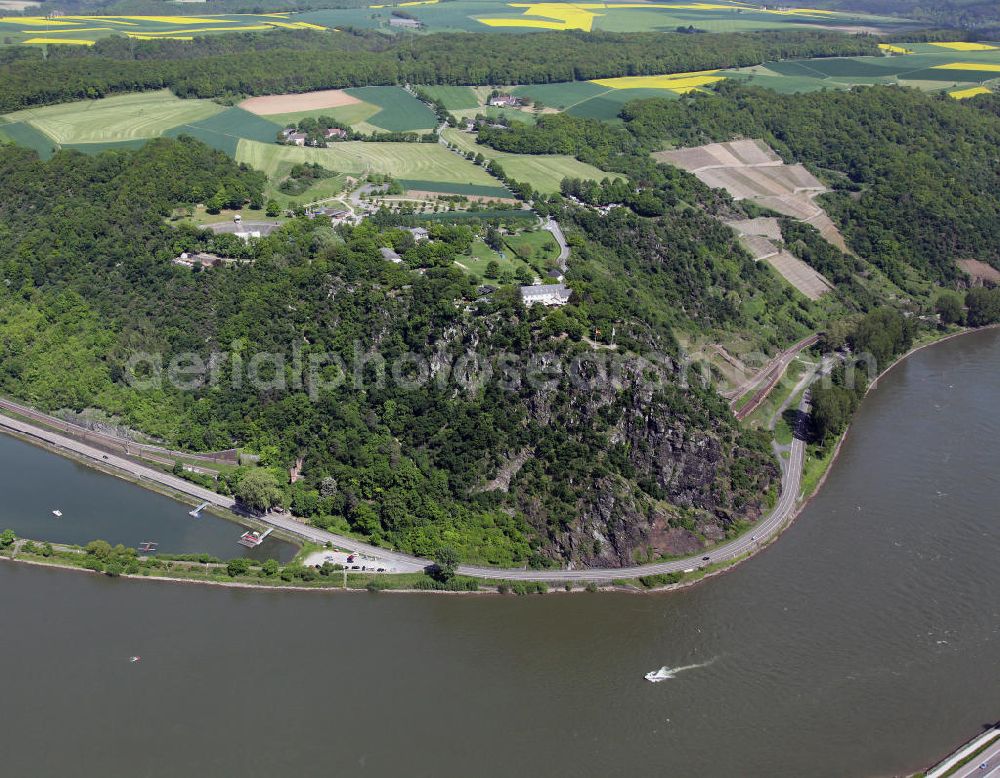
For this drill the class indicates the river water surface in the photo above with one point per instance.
(34, 482)
(865, 642)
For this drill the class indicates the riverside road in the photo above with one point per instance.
(766, 529)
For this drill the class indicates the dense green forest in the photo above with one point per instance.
(299, 61)
(85, 250)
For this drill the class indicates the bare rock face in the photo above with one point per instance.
(675, 541)
(682, 479)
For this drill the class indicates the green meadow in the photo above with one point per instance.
(399, 111)
(544, 172)
(412, 161)
(124, 117)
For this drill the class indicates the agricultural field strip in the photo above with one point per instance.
(124, 117)
(420, 162)
(581, 16)
(143, 27)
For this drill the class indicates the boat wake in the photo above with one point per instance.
(666, 673)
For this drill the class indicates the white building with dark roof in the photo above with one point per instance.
(546, 294)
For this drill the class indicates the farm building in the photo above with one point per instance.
(419, 233)
(506, 101)
(405, 23)
(545, 294)
(294, 137)
(334, 132)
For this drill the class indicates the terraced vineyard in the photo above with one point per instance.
(751, 170)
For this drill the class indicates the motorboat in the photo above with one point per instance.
(663, 674)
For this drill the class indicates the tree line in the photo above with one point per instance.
(298, 61)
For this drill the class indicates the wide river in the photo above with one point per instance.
(865, 642)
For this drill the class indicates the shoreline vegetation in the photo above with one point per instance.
(100, 558)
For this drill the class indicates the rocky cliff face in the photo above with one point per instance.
(672, 473)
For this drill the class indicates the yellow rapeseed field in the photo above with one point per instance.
(964, 46)
(968, 66)
(541, 24)
(680, 83)
(964, 94)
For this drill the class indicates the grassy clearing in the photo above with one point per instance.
(455, 98)
(544, 172)
(416, 161)
(481, 255)
(560, 96)
(325, 189)
(125, 117)
(538, 246)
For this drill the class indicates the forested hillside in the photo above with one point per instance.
(914, 175)
(607, 471)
